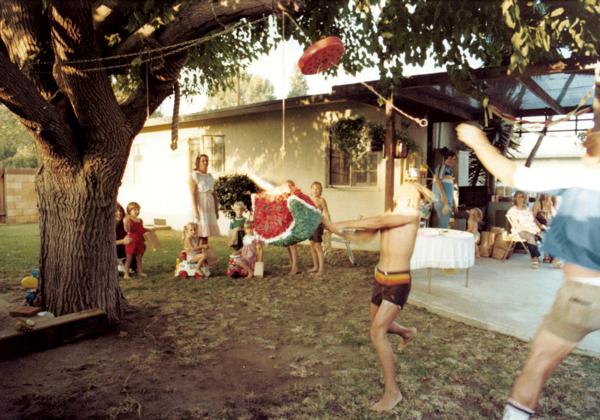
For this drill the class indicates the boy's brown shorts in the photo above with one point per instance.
(395, 290)
(317, 235)
(576, 310)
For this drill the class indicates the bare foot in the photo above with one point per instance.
(142, 274)
(293, 272)
(313, 270)
(316, 273)
(387, 402)
(250, 275)
(405, 340)
(126, 277)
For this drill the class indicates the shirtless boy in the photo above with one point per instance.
(316, 240)
(391, 286)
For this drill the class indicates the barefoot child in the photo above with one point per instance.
(316, 240)
(134, 226)
(391, 285)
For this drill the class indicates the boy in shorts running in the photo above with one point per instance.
(391, 284)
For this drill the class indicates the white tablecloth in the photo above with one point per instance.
(443, 248)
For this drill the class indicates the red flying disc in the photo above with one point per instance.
(321, 55)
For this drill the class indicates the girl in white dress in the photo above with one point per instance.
(204, 200)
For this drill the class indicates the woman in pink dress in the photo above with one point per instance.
(204, 200)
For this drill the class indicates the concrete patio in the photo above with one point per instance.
(504, 296)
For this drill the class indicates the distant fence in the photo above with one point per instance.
(18, 200)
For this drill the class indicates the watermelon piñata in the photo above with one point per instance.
(286, 218)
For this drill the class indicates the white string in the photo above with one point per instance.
(282, 150)
(147, 94)
(422, 122)
(169, 50)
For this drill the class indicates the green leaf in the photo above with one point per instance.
(557, 12)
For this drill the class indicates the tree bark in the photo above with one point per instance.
(84, 136)
(78, 263)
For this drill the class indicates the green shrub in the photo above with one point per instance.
(232, 188)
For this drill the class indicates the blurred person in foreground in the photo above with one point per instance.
(574, 237)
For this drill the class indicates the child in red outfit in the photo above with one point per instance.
(134, 226)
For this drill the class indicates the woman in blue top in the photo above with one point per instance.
(443, 188)
(574, 237)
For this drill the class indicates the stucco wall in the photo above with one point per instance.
(20, 200)
(157, 178)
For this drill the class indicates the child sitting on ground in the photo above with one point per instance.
(475, 217)
(242, 262)
(197, 252)
(236, 226)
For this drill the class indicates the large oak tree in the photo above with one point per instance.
(82, 77)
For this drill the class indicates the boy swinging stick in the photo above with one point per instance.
(391, 285)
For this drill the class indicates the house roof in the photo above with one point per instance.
(543, 89)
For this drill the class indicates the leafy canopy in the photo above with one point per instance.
(393, 33)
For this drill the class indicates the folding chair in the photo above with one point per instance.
(514, 238)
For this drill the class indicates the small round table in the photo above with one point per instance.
(443, 248)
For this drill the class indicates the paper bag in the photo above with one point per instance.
(259, 269)
(502, 244)
(153, 239)
(486, 243)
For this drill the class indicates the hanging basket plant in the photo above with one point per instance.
(348, 135)
(357, 137)
(376, 135)
(405, 145)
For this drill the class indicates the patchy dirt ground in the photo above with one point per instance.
(276, 347)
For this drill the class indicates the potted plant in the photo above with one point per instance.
(404, 145)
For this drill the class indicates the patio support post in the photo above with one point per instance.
(389, 153)
(430, 157)
(596, 103)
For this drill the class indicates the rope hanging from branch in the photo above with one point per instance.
(175, 121)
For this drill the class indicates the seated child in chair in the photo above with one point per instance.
(475, 217)
(241, 263)
(196, 251)
(236, 226)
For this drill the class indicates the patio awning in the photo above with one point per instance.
(544, 89)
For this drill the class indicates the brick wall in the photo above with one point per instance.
(19, 198)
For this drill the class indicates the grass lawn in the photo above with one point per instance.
(276, 347)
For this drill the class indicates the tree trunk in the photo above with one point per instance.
(78, 265)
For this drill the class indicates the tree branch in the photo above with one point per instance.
(51, 133)
(81, 78)
(195, 21)
(24, 30)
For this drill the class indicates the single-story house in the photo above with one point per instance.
(263, 140)
(249, 140)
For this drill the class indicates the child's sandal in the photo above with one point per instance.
(535, 264)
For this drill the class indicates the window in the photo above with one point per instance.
(344, 172)
(211, 145)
